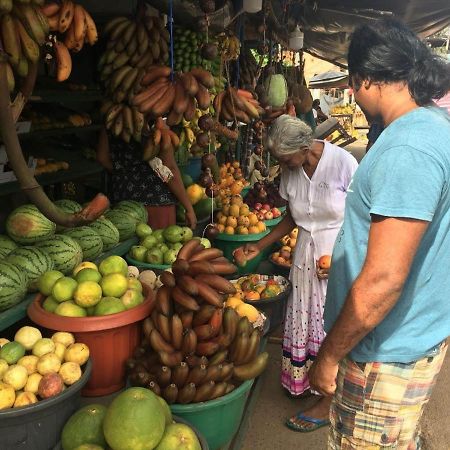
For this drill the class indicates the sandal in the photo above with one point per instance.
(318, 423)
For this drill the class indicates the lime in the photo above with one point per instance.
(47, 280)
(88, 275)
(114, 285)
(134, 283)
(84, 265)
(70, 309)
(132, 298)
(109, 305)
(63, 289)
(12, 352)
(87, 293)
(50, 304)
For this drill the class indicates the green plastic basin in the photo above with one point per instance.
(144, 265)
(217, 420)
(228, 243)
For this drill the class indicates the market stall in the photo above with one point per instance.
(171, 324)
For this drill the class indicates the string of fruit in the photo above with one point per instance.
(71, 26)
(194, 350)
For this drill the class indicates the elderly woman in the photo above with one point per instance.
(314, 181)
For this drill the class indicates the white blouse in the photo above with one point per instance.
(317, 204)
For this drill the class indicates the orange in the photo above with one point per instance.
(253, 229)
(244, 210)
(234, 211)
(325, 262)
(253, 219)
(220, 227)
(252, 295)
(229, 230)
(242, 230)
(243, 221)
(231, 222)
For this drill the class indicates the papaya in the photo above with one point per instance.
(84, 427)
(204, 208)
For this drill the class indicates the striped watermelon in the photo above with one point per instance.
(7, 245)
(64, 250)
(32, 261)
(27, 225)
(13, 285)
(69, 207)
(125, 223)
(133, 208)
(107, 231)
(90, 241)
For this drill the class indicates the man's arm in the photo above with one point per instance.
(392, 245)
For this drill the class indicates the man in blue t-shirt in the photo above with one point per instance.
(387, 312)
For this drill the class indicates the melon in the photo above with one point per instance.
(27, 225)
(134, 421)
(276, 90)
(64, 250)
(125, 223)
(69, 207)
(84, 427)
(13, 282)
(133, 208)
(33, 262)
(107, 231)
(7, 245)
(90, 241)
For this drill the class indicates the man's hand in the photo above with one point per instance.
(322, 376)
(191, 219)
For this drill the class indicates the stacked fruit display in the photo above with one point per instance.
(236, 218)
(73, 27)
(284, 255)
(194, 349)
(34, 368)
(265, 212)
(91, 290)
(161, 247)
(264, 193)
(136, 419)
(231, 180)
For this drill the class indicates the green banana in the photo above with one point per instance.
(129, 79)
(10, 77)
(29, 46)
(117, 31)
(28, 16)
(22, 67)
(113, 24)
(118, 76)
(10, 39)
(120, 61)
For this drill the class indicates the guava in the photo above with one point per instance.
(48, 363)
(77, 353)
(88, 275)
(205, 242)
(113, 264)
(159, 235)
(109, 305)
(187, 234)
(43, 346)
(143, 230)
(63, 337)
(173, 233)
(138, 252)
(47, 280)
(154, 256)
(149, 242)
(170, 256)
(114, 285)
(16, 376)
(27, 336)
(70, 309)
(132, 298)
(50, 304)
(63, 289)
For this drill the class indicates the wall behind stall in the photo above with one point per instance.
(109, 7)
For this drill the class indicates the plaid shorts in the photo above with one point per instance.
(379, 405)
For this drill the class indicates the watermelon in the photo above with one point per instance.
(69, 207)
(134, 209)
(107, 231)
(13, 285)
(7, 245)
(125, 223)
(64, 250)
(27, 225)
(84, 427)
(90, 241)
(32, 261)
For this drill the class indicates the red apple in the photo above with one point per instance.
(266, 206)
(276, 212)
(263, 210)
(258, 206)
(260, 215)
(268, 215)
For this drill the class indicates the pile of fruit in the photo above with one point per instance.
(255, 287)
(265, 212)
(91, 290)
(264, 193)
(137, 419)
(236, 218)
(34, 368)
(49, 166)
(231, 180)
(283, 257)
(194, 349)
(162, 246)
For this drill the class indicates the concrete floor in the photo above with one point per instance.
(266, 430)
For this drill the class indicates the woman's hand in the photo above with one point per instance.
(322, 274)
(246, 253)
(191, 219)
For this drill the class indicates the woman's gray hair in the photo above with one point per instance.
(287, 135)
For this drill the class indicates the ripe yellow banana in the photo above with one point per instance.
(53, 22)
(128, 119)
(91, 29)
(11, 42)
(50, 9)
(79, 22)
(118, 125)
(113, 112)
(63, 61)
(29, 47)
(69, 39)
(66, 15)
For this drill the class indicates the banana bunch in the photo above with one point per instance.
(178, 97)
(136, 44)
(229, 46)
(248, 69)
(23, 29)
(74, 27)
(161, 138)
(237, 104)
(194, 350)
(122, 120)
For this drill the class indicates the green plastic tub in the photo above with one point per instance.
(217, 420)
(144, 265)
(228, 243)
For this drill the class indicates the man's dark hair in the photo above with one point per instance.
(316, 103)
(387, 51)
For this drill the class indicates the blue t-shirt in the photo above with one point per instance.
(405, 174)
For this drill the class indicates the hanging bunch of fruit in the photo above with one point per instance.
(229, 46)
(237, 104)
(194, 350)
(133, 46)
(72, 27)
(249, 70)
(161, 138)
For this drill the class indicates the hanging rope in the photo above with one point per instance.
(171, 39)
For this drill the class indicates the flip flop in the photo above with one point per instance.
(318, 423)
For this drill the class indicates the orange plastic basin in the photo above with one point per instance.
(111, 340)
